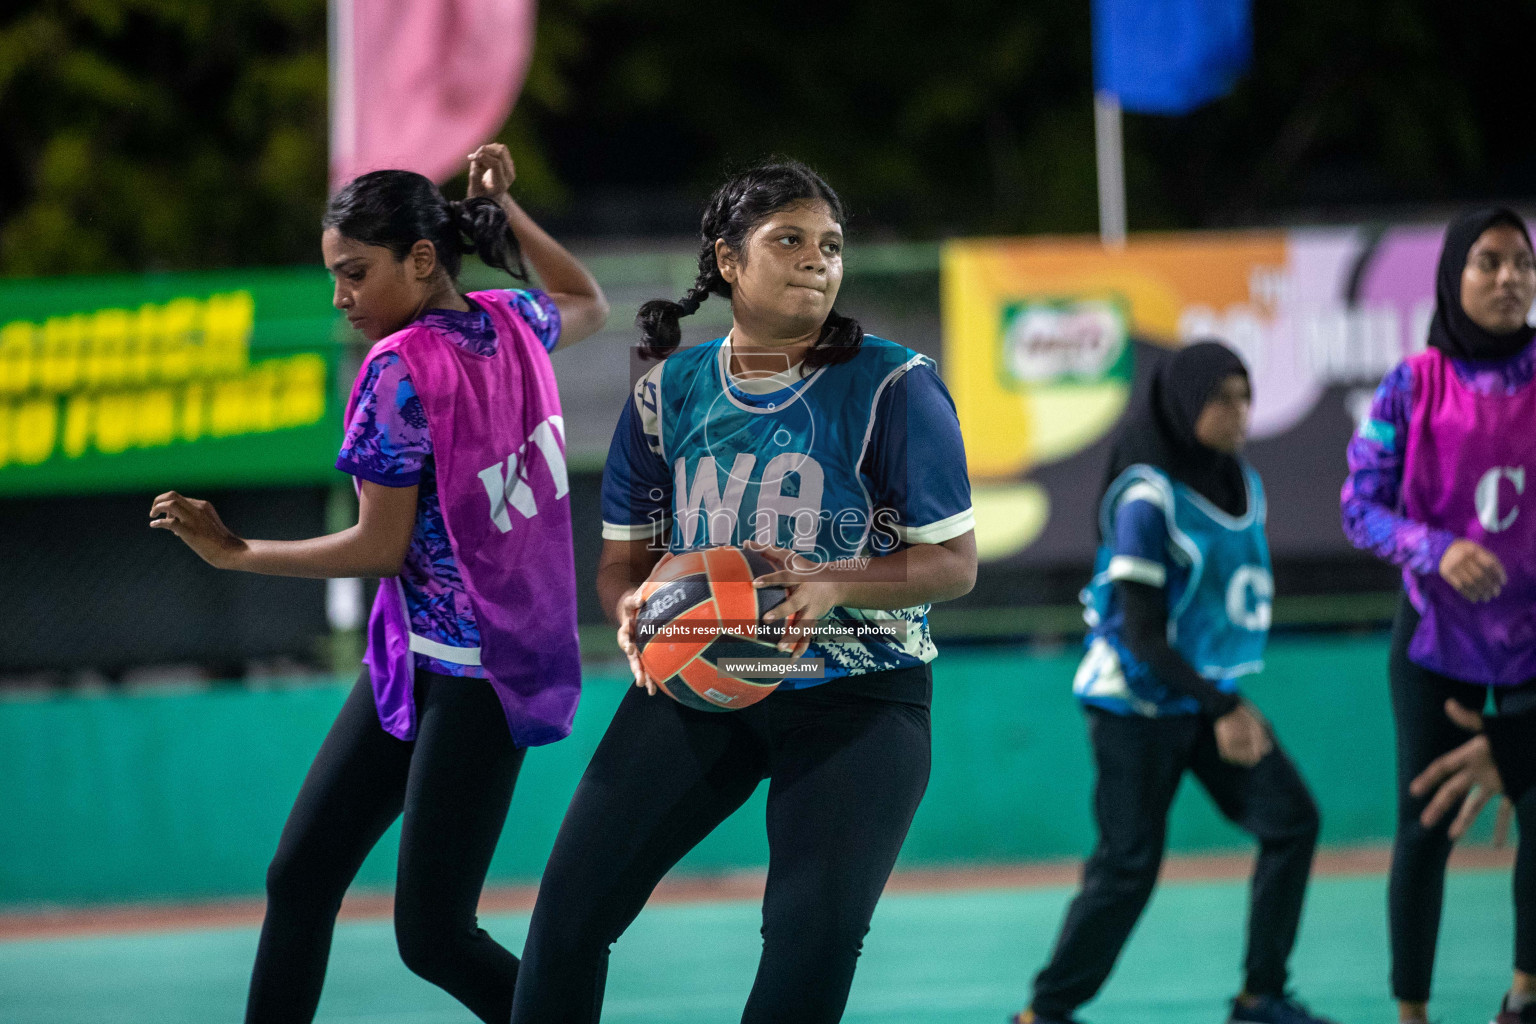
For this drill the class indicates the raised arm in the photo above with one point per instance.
(576, 293)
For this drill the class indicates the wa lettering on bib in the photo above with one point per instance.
(790, 468)
(786, 472)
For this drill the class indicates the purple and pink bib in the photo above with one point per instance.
(1470, 468)
(499, 445)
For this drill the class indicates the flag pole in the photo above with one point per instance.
(1110, 156)
(341, 62)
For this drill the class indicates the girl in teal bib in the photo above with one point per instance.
(1178, 611)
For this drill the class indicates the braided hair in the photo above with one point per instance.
(734, 211)
(397, 209)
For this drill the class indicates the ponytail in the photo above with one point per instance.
(660, 332)
(840, 339)
(734, 211)
(482, 227)
(397, 209)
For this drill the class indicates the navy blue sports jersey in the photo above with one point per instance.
(841, 462)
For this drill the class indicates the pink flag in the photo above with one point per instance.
(418, 84)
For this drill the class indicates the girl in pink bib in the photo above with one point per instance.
(1438, 486)
(456, 440)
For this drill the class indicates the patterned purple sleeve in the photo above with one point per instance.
(1371, 500)
(539, 311)
(386, 440)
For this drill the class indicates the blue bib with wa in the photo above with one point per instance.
(1219, 588)
(784, 468)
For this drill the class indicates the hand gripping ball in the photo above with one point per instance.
(699, 607)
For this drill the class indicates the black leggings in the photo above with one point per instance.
(1416, 887)
(848, 762)
(453, 783)
(1140, 762)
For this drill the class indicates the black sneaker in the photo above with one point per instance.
(1275, 1010)
(1525, 1015)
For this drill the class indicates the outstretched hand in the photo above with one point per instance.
(1466, 775)
(491, 171)
(199, 526)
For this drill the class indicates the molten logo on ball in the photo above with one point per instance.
(709, 591)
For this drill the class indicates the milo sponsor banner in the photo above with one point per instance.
(1045, 339)
(167, 381)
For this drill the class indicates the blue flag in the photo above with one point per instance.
(1170, 56)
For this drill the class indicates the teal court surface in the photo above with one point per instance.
(948, 957)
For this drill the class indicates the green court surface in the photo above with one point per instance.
(931, 958)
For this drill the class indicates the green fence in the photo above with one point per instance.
(176, 796)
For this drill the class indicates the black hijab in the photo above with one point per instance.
(1159, 430)
(1452, 331)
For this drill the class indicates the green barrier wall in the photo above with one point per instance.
(183, 795)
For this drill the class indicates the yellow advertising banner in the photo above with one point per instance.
(168, 380)
(1040, 335)
(1017, 411)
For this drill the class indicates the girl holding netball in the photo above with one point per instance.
(1178, 612)
(455, 438)
(1438, 485)
(831, 449)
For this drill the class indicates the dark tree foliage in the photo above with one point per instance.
(156, 134)
(166, 134)
(977, 116)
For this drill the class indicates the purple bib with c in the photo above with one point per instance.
(1470, 468)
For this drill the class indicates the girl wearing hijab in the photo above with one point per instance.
(1437, 484)
(1179, 610)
